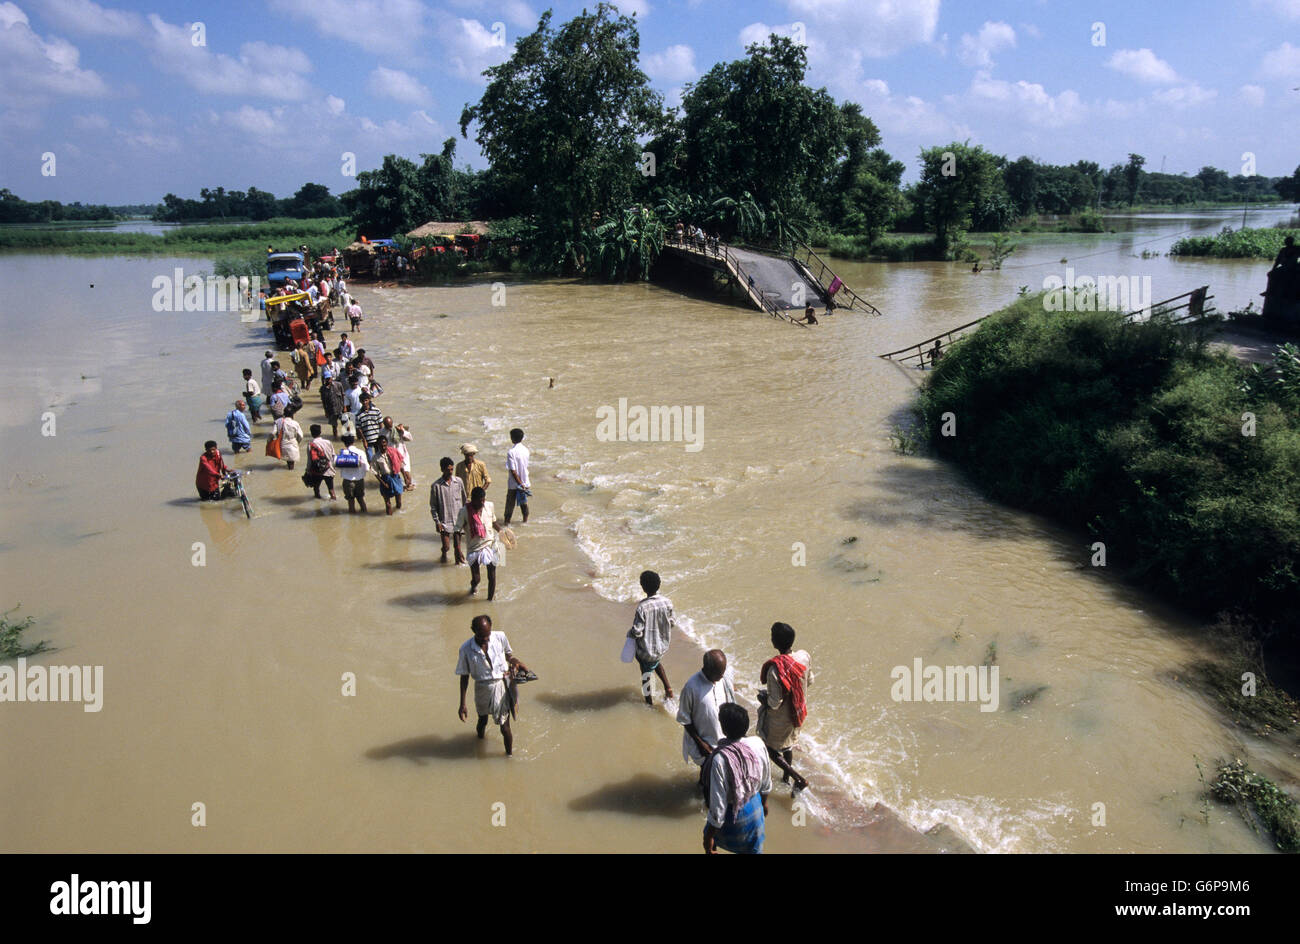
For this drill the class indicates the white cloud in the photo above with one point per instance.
(472, 47)
(1029, 101)
(905, 115)
(1281, 63)
(1251, 95)
(1143, 65)
(993, 37)
(262, 70)
(91, 19)
(418, 129)
(1184, 96)
(674, 64)
(638, 8)
(335, 105)
(399, 86)
(33, 70)
(383, 27)
(256, 122)
(876, 28)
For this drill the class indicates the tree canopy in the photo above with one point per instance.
(560, 122)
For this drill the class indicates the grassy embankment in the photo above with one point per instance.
(1183, 462)
(200, 240)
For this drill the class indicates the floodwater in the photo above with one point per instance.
(224, 683)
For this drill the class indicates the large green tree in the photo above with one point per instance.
(1133, 176)
(560, 122)
(1289, 187)
(753, 126)
(387, 201)
(958, 181)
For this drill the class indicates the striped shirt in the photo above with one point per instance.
(652, 626)
(370, 424)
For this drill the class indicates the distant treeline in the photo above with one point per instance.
(247, 240)
(588, 167)
(16, 210)
(312, 201)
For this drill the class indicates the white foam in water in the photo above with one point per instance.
(629, 517)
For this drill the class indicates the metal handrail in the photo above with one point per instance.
(824, 269)
(721, 250)
(1156, 307)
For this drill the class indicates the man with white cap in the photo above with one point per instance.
(472, 470)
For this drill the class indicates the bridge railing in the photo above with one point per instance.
(1193, 305)
(820, 271)
(716, 249)
(918, 351)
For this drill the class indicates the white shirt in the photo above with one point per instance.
(698, 705)
(252, 387)
(353, 473)
(484, 667)
(720, 780)
(517, 462)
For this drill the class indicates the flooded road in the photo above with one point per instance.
(224, 682)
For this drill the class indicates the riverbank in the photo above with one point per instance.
(1177, 464)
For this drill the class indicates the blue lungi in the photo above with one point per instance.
(743, 833)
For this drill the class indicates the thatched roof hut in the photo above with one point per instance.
(448, 228)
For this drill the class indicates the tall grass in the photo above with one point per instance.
(319, 234)
(1138, 434)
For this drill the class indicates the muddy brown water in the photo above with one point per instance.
(223, 683)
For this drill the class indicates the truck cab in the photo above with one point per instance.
(285, 265)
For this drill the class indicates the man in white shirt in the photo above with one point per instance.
(487, 657)
(697, 710)
(738, 778)
(353, 465)
(518, 486)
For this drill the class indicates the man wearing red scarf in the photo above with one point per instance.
(783, 706)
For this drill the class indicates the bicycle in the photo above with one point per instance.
(238, 478)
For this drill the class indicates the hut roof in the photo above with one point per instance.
(448, 228)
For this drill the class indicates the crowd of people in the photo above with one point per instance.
(735, 769)
(735, 775)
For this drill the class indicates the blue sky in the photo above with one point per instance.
(131, 107)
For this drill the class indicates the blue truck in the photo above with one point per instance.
(285, 265)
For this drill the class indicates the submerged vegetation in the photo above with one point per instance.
(1261, 803)
(1166, 453)
(11, 642)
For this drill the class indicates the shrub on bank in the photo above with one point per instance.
(1136, 433)
(1235, 244)
(902, 248)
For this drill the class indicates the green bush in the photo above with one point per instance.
(1235, 244)
(1134, 432)
(1259, 800)
(11, 642)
